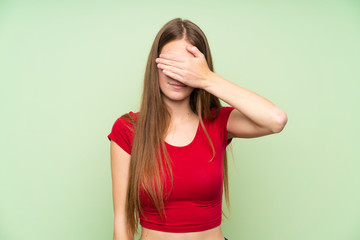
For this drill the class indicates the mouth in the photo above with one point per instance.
(177, 83)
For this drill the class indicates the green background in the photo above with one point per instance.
(69, 69)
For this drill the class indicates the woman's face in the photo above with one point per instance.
(173, 90)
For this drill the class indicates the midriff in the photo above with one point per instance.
(210, 234)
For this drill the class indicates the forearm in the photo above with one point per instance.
(257, 108)
(120, 232)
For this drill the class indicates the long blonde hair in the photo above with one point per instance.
(147, 170)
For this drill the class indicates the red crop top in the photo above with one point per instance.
(195, 203)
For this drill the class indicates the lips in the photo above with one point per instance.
(177, 83)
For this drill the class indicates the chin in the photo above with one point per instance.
(177, 97)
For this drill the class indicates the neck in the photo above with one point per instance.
(180, 111)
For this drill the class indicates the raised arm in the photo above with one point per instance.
(253, 116)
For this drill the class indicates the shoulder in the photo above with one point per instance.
(122, 131)
(125, 124)
(218, 117)
(128, 119)
(221, 113)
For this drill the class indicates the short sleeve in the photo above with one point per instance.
(223, 116)
(121, 134)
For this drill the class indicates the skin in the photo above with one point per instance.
(253, 116)
(184, 122)
(182, 64)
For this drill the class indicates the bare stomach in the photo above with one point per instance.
(210, 234)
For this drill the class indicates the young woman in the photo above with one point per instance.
(168, 160)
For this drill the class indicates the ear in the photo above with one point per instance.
(193, 50)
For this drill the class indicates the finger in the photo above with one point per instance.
(170, 68)
(172, 75)
(194, 50)
(168, 62)
(171, 57)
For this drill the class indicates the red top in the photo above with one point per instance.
(195, 203)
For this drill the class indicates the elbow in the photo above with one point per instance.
(281, 120)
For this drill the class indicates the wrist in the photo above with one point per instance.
(210, 81)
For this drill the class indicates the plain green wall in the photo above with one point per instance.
(68, 69)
